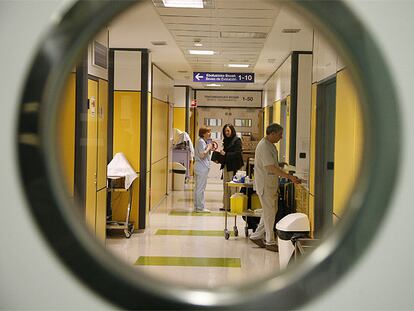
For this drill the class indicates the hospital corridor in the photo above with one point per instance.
(205, 154)
(184, 247)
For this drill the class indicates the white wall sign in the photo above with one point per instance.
(208, 98)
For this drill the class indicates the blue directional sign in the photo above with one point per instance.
(239, 77)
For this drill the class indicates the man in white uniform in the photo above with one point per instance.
(266, 180)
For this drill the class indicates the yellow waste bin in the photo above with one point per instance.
(255, 202)
(238, 203)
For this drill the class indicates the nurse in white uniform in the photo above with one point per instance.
(202, 156)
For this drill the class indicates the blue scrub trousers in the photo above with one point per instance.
(201, 173)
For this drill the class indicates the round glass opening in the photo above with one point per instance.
(116, 107)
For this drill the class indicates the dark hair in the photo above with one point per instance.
(203, 130)
(273, 128)
(231, 127)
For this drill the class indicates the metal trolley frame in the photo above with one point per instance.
(246, 214)
(122, 225)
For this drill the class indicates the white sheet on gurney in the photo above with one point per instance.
(120, 167)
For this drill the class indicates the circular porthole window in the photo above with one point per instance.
(340, 247)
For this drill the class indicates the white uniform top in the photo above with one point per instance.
(201, 146)
(265, 155)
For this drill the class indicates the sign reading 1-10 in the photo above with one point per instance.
(246, 77)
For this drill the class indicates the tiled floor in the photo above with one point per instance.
(185, 248)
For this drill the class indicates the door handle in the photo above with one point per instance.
(329, 166)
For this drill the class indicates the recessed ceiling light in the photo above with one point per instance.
(198, 44)
(239, 65)
(195, 4)
(201, 52)
(213, 84)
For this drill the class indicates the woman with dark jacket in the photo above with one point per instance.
(233, 161)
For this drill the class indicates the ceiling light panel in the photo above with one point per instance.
(238, 65)
(201, 52)
(256, 35)
(195, 4)
(168, 5)
(196, 33)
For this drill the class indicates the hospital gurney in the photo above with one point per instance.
(120, 225)
(121, 176)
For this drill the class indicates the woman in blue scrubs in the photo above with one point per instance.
(202, 156)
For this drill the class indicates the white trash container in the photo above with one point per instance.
(296, 224)
(179, 172)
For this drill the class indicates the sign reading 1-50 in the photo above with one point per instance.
(248, 99)
(245, 77)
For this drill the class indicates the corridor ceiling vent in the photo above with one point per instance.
(290, 30)
(184, 4)
(255, 35)
(197, 42)
(158, 43)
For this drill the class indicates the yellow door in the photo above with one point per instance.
(287, 130)
(102, 133)
(276, 119)
(66, 130)
(102, 139)
(101, 215)
(91, 160)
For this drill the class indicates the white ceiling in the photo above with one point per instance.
(215, 28)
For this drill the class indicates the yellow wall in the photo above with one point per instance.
(127, 129)
(95, 209)
(159, 154)
(91, 155)
(312, 159)
(192, 124)
(149, 148)
(276, 119)
(287, 129)
(126, 139)
(348, 140)
(179, 119)
(96, 158)
(102, 134)
(100, 229)
(348, 143)
(158, 181)
(66, 133)
(149, 143)
(265, 119)
(102, 148)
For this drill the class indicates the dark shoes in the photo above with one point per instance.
(272, 247)
(262, 244)
(258, 242)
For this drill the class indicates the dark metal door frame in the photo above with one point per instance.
(325, 138)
